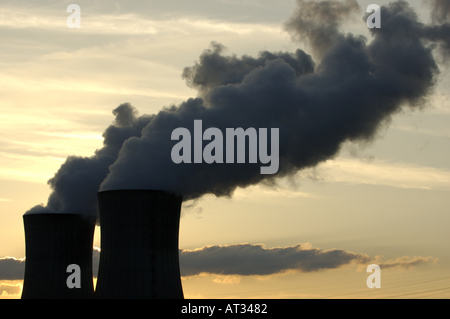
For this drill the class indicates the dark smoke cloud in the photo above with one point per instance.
(318, 23)
(400, 20)
(76, 183)
(440, 10)
(215, 70)
(440, 31)
(352, 88)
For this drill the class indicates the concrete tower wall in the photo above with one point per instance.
(139, 245)
(53, 242)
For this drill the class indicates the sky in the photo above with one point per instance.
(381, 200)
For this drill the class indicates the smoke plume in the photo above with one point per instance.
(354, 88)
(440, 11)
(76, 183)
(318, 23)
(348, 90)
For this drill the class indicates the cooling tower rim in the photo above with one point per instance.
(53, 214)
(47, 215)
(139, 190)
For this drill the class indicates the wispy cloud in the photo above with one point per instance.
(27, 168)
(81, 135)
(405, 262)
(8, 290)
(381, 172)
(266, 193)
(124, 24)
(420, 130)
(439, 103)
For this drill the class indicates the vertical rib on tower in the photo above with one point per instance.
(139, 256)
(53, 242)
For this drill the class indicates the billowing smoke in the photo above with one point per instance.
(439, 32)
(76, 183)
(345, 91)
(352, 89)
(441, 11)
(318, 23)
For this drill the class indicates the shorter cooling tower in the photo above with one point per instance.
(139, 256)
(52, 243)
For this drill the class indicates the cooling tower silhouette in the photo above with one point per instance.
(139, 256)
(53, 242)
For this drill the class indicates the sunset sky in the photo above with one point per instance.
(385, 201)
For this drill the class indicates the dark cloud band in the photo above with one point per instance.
(248, 260)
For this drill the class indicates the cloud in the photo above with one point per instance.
(256, 260)
(227, 279)
(381, 172)
(95, 260)
(12, 268)
(404, 262)
(230, 262)
(9, 290)
(263, 194)
(124, 24)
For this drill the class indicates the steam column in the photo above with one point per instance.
(139, 256)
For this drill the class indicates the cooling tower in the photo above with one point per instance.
(52, 243)
(139, 256)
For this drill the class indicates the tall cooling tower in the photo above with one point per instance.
(139, 256)
(52, 243)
